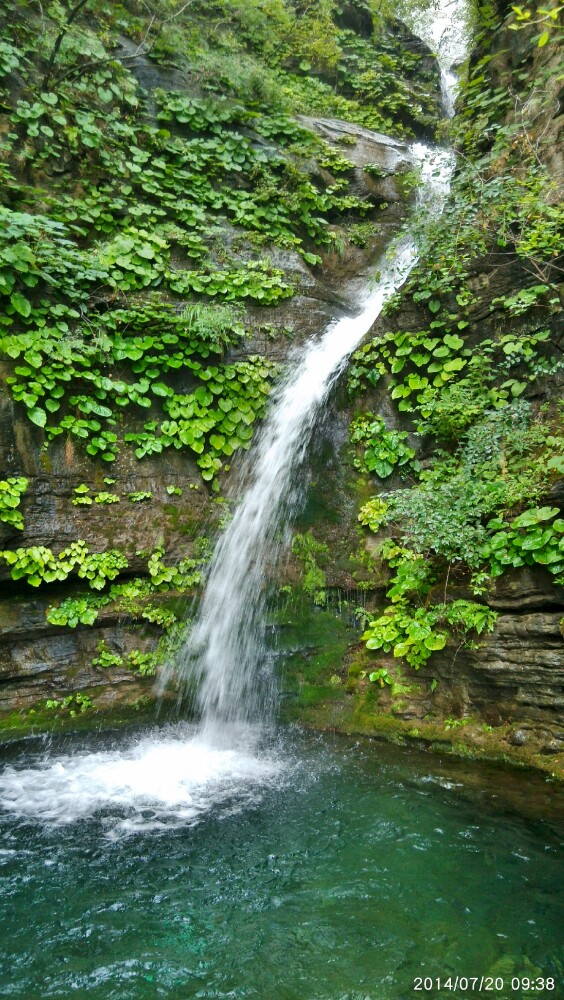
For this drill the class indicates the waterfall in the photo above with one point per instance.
(179, 775)
(225, 646)
(444, 29)
(225, 652)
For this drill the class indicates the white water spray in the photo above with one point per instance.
(179, 775)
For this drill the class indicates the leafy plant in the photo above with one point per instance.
(384, 449)
(380, 676)
(105, 657)
(144, 664)
(106, 498)
(75, 611)
(140, 496)
(535, 536)
(38, 564)
(81, 496)
(76, 703)
(11, 492)
(184, 574)
(415, 633)
(308, 550)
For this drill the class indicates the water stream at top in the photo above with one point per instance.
(443, 26)
(182, 773)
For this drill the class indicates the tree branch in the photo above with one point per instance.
(59, 40)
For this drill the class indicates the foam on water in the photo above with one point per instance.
(154, 782)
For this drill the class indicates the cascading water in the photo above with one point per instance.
(225, 652)
(176, 776)
(444, 29)
(225, 649)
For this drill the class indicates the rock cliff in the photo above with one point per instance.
(310, 205)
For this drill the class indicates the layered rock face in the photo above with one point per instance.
(41, 661)
(500, 692)
(512, 680)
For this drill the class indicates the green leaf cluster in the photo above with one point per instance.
(415, 633)
(11, 492)
(534, 537)
(76, 703)
(38, 564)
(143, 664)
(384, 450)
(308, 551)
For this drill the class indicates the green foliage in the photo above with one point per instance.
(384, 450)
(536, 536)
(75, 611)
(503, 461)
(144, 664)
(376, 170)
(444, 521)
(361, 234)
(38, 564)
(182, 576)
(76, 703)
(255, 280)
(241, 388)
(414, 573)
(126, 239)
(106, 498)
(446, 383)
(131, 598)
(99, 567)
(380, 677)
(105, 657)
(11, 492)
(381, 85)
(457, 723)
(215, 419)
(373, 513)
(10, 57)
(81, 498)
(307, 550)
(413, 633)
(140, 496)
(546, 18)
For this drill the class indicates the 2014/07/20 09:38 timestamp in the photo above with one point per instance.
(484, 983)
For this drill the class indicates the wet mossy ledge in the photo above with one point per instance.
(331, 682)
(476, 741)
(329, 707)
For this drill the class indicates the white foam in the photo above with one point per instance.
(158, 781)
